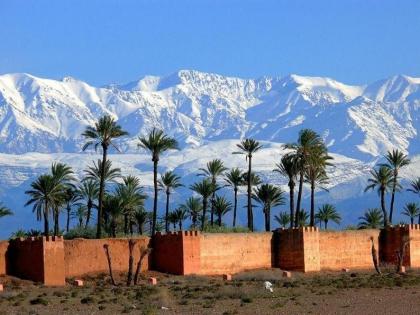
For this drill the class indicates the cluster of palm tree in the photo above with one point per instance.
(385, 178)
(118, 201)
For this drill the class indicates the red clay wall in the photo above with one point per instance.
(3, 249)
(83, 256)
(233, 252)
(347, 249)
(390, 242)
(414, 247)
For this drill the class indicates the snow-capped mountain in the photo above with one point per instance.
(41, 120)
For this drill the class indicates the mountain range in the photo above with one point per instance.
(41, 120)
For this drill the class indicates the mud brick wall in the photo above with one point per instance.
(234, 252)
(414, 247)
(177, 252)
(84, 256)
(3, 252)
(390, 242)
(39, 259)
(347, 249)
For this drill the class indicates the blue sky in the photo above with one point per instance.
(118, 41)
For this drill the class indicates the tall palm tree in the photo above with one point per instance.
(132, 197)
(141, 219)
(4, 211)
(283, 219)
(80, 214)
(234, 178)
(249, 147)
(315, 174)
(173, 219)
(328, 213)
(415, 186)
(221, 207)
(381, 179)
(412, 210)
(70, 198)
(308, 142)
(45, 194)
(157, 143)
(88, 190)
(103, 134)
(169, 181)
(113, 208)
(289, 168)
(181, 215)
(371, 219)
(213, 170)
(63, 175)
(268, 196)
(205, 189)
(193, 207)
(303, 217)
(395, 161)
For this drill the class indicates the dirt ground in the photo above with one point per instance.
(327, 293)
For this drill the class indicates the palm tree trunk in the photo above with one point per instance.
(235, 206)
(131, 244)
(412, 220)
(56, 224)
(204, 213)
(312, 219)
(299, 199)
(101, 192)
(68, 218)
(213, 196)
(125, 224)
(292, 201)
(326, 223)
(89, 213)
(394, 188)
(267, 219)
(219, 219)
(386, 222)
(249, 191)
(108, 257)
(167, 212)
(155, 183)
(140, 227)
(46, 223)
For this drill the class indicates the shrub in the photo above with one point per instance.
(39, 301)
(88, 233)
(225, 229)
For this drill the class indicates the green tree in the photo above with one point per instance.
(214, 169)
(371, 219)
(79, 214)
(328, 213)
(303, 218)
(45, 194)
(103, 134)
(156, 143)
(221, 207)
(70, 199)
(181, 215)
(288, 167)
(381, 179)
(173, 219)
(249, 147)
(395, 161)
(415, 186)
(114, 210)
(234, 179)
(4, 211)
(141, 219)
(205, 189)
(268, 196)
(283, 219)
(308, 143)
(412, 210)
(168, 182)
(88, 190)
(193, 207)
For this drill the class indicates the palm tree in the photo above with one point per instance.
(102, 135)
(415, 186)
(157, 143)
(63, 175)
(4, 211)
(268, 196)
(141, 218)
(130, 193)
(193, 207)
(382, 179)
(303, 217)
(221, 207)
(168, 182)
(45, 194)
(255, 179)
(249, 147)
(315, 174)
(289, 168)
(395, 161)
(70, 198)
(94, 173)
(283, 219)
(328, 213)
(214, 169)
(234, 178)
(181, 215)
(113, 209)
(308, 142)
(173, 219)
(80, 214)
(88, 190)
(205, 188)
(412, 210)
(371, 219)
